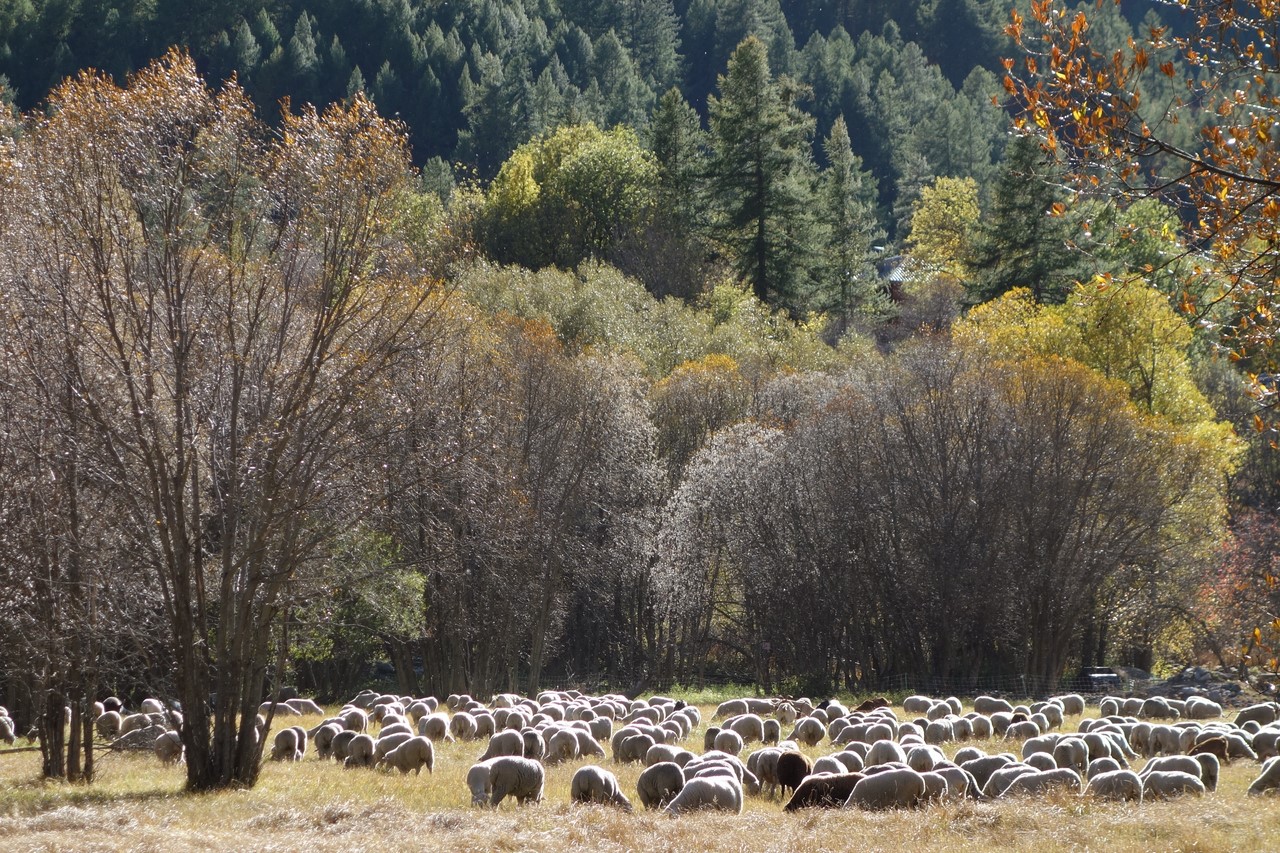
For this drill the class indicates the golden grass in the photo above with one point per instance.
(137, 804)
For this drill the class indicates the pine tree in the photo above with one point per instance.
(1026, 236)
(679, 145)
(846, 203)
(761, 175)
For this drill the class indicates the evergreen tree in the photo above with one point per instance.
(846, 204)
(679, 146)
(761, 175)
(1027, 235)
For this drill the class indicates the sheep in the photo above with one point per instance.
(659, 783)
(938, 732)
(503, 743)
(413, 754)
(354, 719)
(485, 725)
(1266, 743)
(133, 722)
(823, 791)
(107, 725)
(1072, 704)
(728, 741)
(1215, 745)
(771, 732)
(113, 703)
(1021, 730)
(506, 776)
(535, 747)
(750, 727)
(592, 784)
(1041, 761)
(764, 764)
(885, 751)
(601, 728)
(168, 747)
(791, 769)
(1115, 785)
(851, 760)
(1072, 752)
(895, 788)
(917, 704)
(1268, 780)
(1102, 765)
(1209, 770)
(151, 706)
(561, 746)
(1200, 708)
(359, 752)
(1042, 781)
(1264, 713)
(383, 745)
(731, 708)
(786, 713)
(987, 705)
(462, 726)
(323, 738)
(287, 746)
(281, 709)
(1171, 783)
(305, 706)
(1002, 778)
(587, 745)
(709, 738)
(396, 728)
(828, 764)
(721, 793)
(959, 783)
(341, 743)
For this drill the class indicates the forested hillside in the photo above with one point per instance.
(481, 345)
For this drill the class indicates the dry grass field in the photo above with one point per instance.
(137, 804)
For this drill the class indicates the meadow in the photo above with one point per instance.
(138, 804)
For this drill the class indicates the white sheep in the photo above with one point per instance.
(721, 793)
(305, 706)
(385, 744)
(659, 783)
(1268, 780)
(983, 768)
(562, 746)
(1072, 704)
(535, 746)
(1170, 783)
(1115, 785)
(884, 752)
(1263, 713)
(588, 746)
(987, 705)
(895, 788)
(107, 724)
(341, 742)
(323, 738)
(1043, 781)
(506, 776)
(728, 741)
(631, 747)
(1072, 752)
(168, 747)
(1041, 761)
(503, 743)
(750, 727)
(1001, 779)
(359, 751)
(462, 726)
(593, 784)
(287, 746)
(413, 754)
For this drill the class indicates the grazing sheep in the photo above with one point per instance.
(750, 727)
(771, 732)
(1072, 752)
(1102, 765)
(829, 764)
(792, 768)
(462, 726)
(435, 726)
(917, 704)
(728, 741)
(1161, 784)
(360, 751)
(286, 746)
(823, 791)
(305, 706)
(884, 752)
(383, 745)
(107, 725)
(895, 788)
(587, 745)
(323, 738)
(1264, 713)
(659, 783)
(1215, 745)
(341, 743)
(1021, 730)
(1115, 785)
(413, 754)
(721, 793)
(395, 728)
(1266, 743)
(1042, 781)
(561, 746)
(1269, 780)
(709, 738)
(592, 784)
(959, 783)
(506, 776)
(168, 747)
(1001, 779)
(1209, 770)
(987, 705)
(632, 748)
(503, 743)
(810, 731)
(133, 722)
(354, 719)
(1072, 704)
(485, 725)
(1041, 761)
(535, 747)
(601, 728)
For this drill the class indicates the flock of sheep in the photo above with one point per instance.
(879, 760)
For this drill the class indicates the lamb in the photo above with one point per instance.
(592, 784)
(561, 746)
(506, 776)
(659, 783)
(413, 754)
(1269, 780)
(287, 746)
(1115, 785)
(895, 788)
(1170, 783)
(722, 793)
(168, 747)
(359, 752)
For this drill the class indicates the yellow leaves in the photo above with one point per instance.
(1258, 424)
(1057, 209)
(1166, 68)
